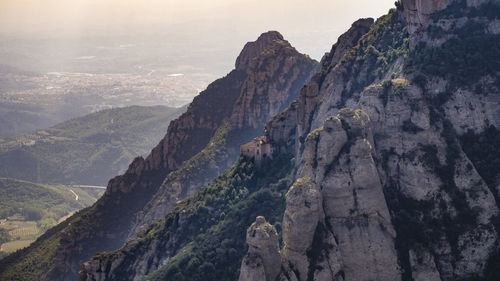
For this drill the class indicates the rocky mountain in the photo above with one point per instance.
(164, 240)
(198, 145)
(87, 150)
(275, 72)
(388, 186)
(386, 168)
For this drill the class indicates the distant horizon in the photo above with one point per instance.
(312, 27)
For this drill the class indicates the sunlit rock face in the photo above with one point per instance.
(268, 76)
(263, 260)
(418, 12)
(400, 196)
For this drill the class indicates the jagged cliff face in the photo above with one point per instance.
(106, 225)
(388, 187)
(263, 260)
(275, 72)
(280, 70)
(203, 238)
(418, 12)
(394, 177)
(198, 146)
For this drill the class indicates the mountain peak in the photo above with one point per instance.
(253, 49)
(270, 36)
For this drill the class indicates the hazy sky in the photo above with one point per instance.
(301, 21)
(78, 13)
(75, 15)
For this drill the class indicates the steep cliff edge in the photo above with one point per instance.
(387, 168)
(387, 175)
(203, 238)
(275, 74)
(141, 261)
(273, 80)
(198, 145)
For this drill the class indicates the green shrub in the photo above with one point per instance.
(218, 217)
(32, 213)
(463, 60)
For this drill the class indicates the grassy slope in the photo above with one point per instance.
(28, 209)
(37, 260)
(86, 150)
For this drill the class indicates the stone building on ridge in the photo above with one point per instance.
(258, 149)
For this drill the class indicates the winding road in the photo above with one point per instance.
(76, 195)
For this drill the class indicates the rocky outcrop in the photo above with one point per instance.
(262, 261)
(400, 197)
(288, 71)
(418, 12)
(253, 49)
(272, 79)
(269, 72)
(336, 224)
(275, 72)
(345, 42)
(303, 213)
(285, 128)
(106, 225)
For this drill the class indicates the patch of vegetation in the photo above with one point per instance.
(87, 150)
(396, 86)
(319, 250)
(215, 150)
(410, 127)
(386, 41)
(417, 223)
(4, 236)
(314, 134)
(464, 59)
(459, 8)
(219, 215)
(28, 209)
(483, 150)
(34, 202)
(35, 262)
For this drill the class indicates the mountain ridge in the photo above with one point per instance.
(88, 149)
(384, 168)
(107, 224)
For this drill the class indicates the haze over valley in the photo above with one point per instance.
(237, 140)
(64, 59)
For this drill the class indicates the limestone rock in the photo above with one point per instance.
(273, 59)
(253, 49)
(423, 267)
(286, 129)
(303, 212)
(274, 72)
(205, 140)
(346, 41)
(417, 12)
(263, 261)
